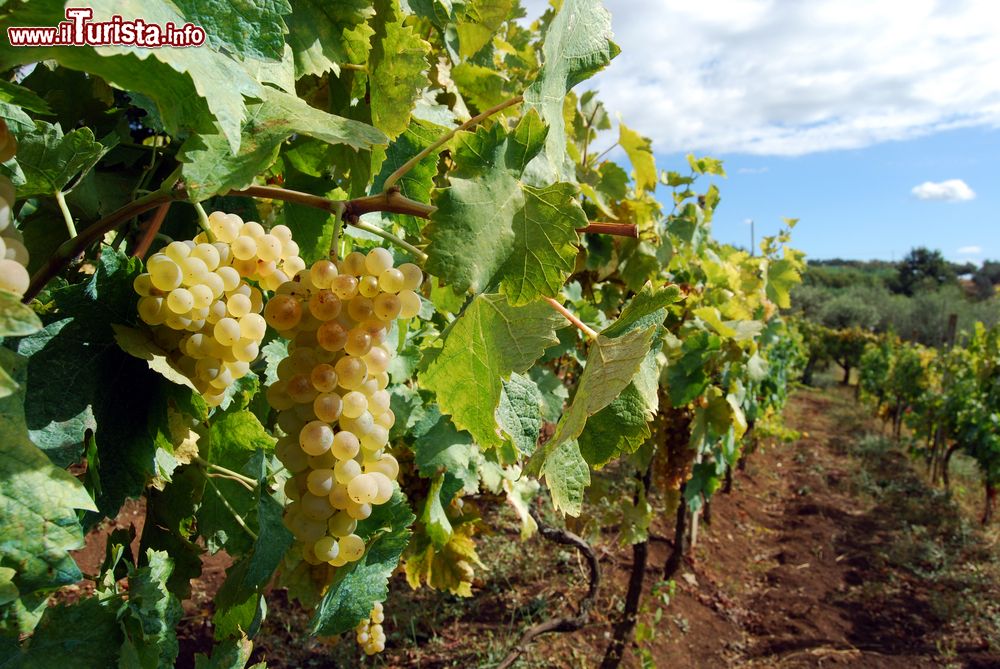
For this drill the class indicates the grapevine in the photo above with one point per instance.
(423, 294)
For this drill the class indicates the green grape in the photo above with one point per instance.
(387, 307)
(216, 311)
(208, 254)
(193, 269)
(321, 482)
(326, 548)
(269, 248)
(323, 377)
(244, 248)
(391, 280)
(363, 489)
(325, 461)
(386, 465)
(202, 295)
(143, 285)
(378, 261)
(347, 470)
(227, 331)
(324, 305)
(341, 524)
(374, 438)
(351, 372)
(277, 396)
(359, 308)
(358, 343)
(164, 273)
(358, 511)
(215, 285)
(339, 498)
(368, 286)
(384, 487)
(332, 336)
(378, 402)
(238, 305)
(353, 264)
(283, 312)
(177, 251)
(252, 229)
(223, 226)
(253, 326)
(230, 278)
(352, 547)
(412, 276)
(246, 350)
(150, 308)
(322, 273)
(328, 407)
(301, 390)
(355, 404)
(376, 361)
(345, 445)
(409, 304)
(344, 286)
(317, 508)
(386, 420)
(316, 438)
(180, 301)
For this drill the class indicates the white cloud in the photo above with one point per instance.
(787, 77)
(751, 170)
(970, 250)
(952, 190)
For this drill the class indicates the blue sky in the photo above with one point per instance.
(830, 111)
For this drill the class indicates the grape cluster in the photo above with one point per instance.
(13, 254)
(332, 399)
(212, 316)
(369, 633)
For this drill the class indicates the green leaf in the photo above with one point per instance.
(397, 65)
(85, 634)
(479, 22)
(171, 526)
(488, 342)
(325, 35)
(553, 393)
(640, 153)
(567, 476)
(190, 86)
(782, 275)
(434, 518)
(687, 376)
(250, 28)
(25, 98)
(490, 227)
(136, 343)
(577, 46)
(648, 307)
(359, 585)
(442, 448)
(151, 614)
(418, 183)
(38, 501)
(706, 165)
(611, 364)
(49, 159)
(519, 412)
(210, 169)
(484, 87)
(16, 318)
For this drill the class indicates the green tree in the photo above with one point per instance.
(922, 269)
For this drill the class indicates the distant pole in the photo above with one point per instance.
(753, 241)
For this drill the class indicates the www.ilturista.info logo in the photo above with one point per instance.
(79, 30)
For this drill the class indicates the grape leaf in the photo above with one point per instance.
(450, 568)
(488, 342)
(16, 318)
(170, 526)
(210, 169)
(228, 654)
(519, 413)
(359, 585)
(396, 66)
(250, 28)
(567, 476)
(418, 183)
(325, 35)
(577, 45)
(49, 159)
(87, 632)
(640, 152)
(25, 98)
(136, 343)
(442, 448)
(611, 364)
(648, 307)
(490, 227)
(686, 374)
(482, 86)
(190, 87)
(782, 275)
(479, 21)
(38, 501)
(151, 614)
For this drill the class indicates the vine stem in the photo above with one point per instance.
(225, 502)
(445, 138)
(586, 329)
(203, 221)
(618, 229)
(223, 470)
(67, 215)
(152, 229)
(388, 236)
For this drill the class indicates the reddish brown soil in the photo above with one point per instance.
(800, 567)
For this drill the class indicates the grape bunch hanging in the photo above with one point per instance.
(13, 254)
(332, 399)
(204, 312)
